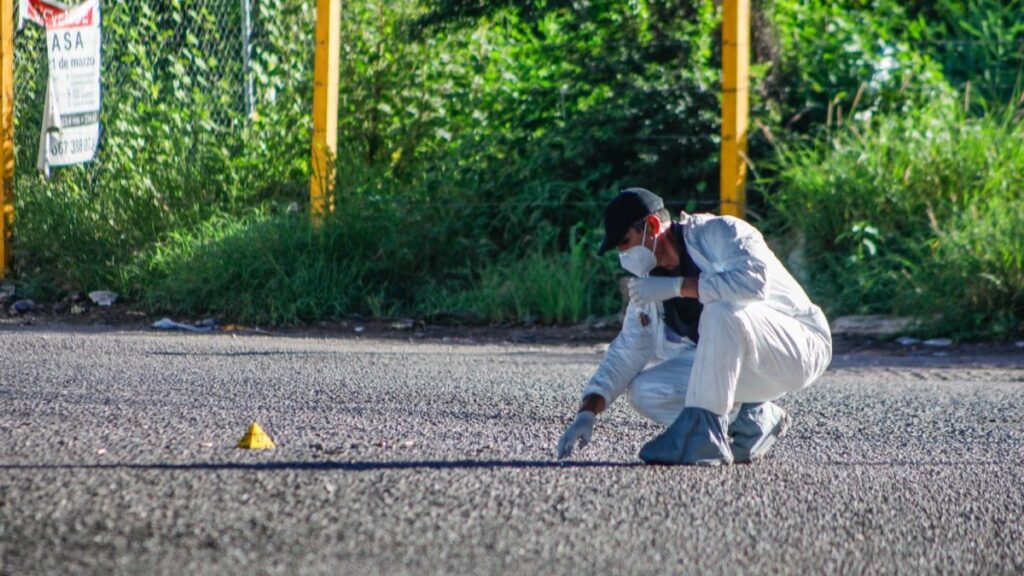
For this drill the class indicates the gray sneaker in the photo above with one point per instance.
(755, 430)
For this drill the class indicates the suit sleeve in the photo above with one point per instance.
(627, 355)
(738, 255)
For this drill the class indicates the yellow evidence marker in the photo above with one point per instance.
(256, 439)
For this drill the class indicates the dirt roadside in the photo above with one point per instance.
(847, 349)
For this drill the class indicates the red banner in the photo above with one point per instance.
(43, 12)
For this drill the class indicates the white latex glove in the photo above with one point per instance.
(582, 428)
(654, 288)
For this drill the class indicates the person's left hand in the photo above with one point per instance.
(654, 289)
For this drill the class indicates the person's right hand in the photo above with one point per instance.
(581, 429)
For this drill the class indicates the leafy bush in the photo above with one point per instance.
(916, 213)
(977, 42)
(837, 59)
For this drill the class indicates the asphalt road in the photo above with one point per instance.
(117, 456)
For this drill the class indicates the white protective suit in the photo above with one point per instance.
(760, 335)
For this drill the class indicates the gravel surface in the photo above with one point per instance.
(398, 457)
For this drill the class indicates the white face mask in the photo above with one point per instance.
(639, 260)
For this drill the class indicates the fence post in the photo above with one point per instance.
(246, 6)
(325, 108)
(6, 134)
(735, 105)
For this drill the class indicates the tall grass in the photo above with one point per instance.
(545, 285)
(919, 214)
(277, 269)
(77, 230)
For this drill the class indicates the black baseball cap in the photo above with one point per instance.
(630, 205)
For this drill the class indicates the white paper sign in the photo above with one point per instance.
(71, 122)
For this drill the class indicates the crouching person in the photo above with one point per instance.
(716, 328)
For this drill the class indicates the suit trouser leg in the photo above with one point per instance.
(753, 353)
(659, 393)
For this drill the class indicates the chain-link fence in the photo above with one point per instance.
(194, 52)
(205, 111)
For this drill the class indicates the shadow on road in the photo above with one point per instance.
(242, 354)
(364, 466)
(326, 466)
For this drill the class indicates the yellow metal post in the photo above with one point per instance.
(6, 134)
(735, 105)
(325, 107)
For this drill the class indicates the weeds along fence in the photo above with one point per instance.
(190, 89)
(190, 57)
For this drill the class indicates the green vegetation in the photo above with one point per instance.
(918, 214)
(478, 142)
(176, 152)
(277, 268)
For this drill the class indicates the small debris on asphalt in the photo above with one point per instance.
(21, 307)
(239, 328)
(103, 298)
(101, 451)
(405, 324)
(72, 303)
(938, 342)
(871, 325)
(607, 322)
(168, 324)
(360, 329)
(458, 340)
(908, 341)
